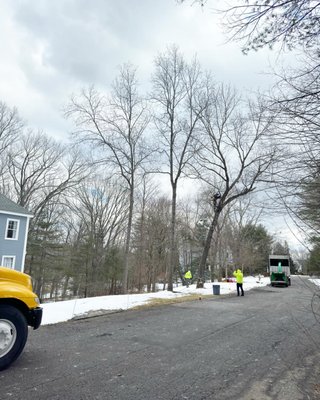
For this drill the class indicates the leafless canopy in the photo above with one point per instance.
(266, 22)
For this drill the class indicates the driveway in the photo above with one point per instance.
(265, 345)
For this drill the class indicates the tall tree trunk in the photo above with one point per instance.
(206, 249)
(127, 248)
(172, 253)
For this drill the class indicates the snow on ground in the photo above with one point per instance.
(315, 281)
(66, 310)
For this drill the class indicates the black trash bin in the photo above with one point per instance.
(216, 289)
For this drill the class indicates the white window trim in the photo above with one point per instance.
(18, 228)
(14, 261)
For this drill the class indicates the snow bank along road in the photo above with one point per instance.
(264, 345)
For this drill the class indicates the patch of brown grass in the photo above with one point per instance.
(163, 302)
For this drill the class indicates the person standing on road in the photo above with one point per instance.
(188, 277)
(239, 279)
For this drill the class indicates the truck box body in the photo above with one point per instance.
(279, 269)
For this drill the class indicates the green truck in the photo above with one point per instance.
(279, 270)
(19, 308)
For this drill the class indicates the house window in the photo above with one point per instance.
(12, 229)
(8, 261)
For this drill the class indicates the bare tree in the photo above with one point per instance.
(116, 126)
(41, 170)
(294, 104)
(234, 154)
(264, 23)
(141, 239)
(11, 127)
(99, 207)
(187, 240)
(156, 240)
(177, 94)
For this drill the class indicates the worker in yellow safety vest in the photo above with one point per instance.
(239, 279)
(188, 277)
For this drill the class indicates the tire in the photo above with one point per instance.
(13, 334)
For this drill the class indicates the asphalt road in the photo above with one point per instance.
(265, 345)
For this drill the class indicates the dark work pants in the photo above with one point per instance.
(239, 287)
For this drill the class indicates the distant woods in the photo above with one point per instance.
(148, 185)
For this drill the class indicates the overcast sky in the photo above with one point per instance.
(51, 49)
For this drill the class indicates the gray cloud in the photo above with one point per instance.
(54, 48)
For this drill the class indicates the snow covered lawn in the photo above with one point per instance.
(66, 310)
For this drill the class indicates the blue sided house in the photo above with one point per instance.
(14, 225)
